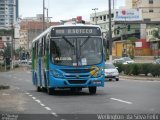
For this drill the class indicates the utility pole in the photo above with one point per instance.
(12, 56)
(43, 15)
(110, 33)
(47, 18)
(95, 15)
(113, 4)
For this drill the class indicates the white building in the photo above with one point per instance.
(23, 41)
(102, 19)
(150, 8)
(8, 13)
(151, 18)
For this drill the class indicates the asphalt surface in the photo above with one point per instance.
(126, 96)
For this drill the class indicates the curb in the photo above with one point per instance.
(139, 78)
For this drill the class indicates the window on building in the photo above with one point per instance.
(93, 19)
(151, 11)
(104, 18)
(107, 16)
(150, 1)
(8, 38)
(112, 15)
(100, 17)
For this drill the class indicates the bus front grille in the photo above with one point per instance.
(77, 81)
(76, 70)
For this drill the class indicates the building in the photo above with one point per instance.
(8, 13)
(102, 19)
(121, 30)
(77, 20)
(5, 41)
(30, 28)
(150, 22)
(150, 8)
(140, 20)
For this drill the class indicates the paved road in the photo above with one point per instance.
(124, 96)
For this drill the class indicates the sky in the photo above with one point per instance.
(64, 9)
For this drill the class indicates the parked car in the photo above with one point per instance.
(111, 72)
(127, 60)
(23, 61)
(118, 61)
(29, 62)
(157, 61)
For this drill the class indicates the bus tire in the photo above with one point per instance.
(38, 89)
(92, 90)
(44, 89)
(50, 91)
(45, 78)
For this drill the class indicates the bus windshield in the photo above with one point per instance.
(73, 51)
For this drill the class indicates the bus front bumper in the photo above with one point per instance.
(59, 82)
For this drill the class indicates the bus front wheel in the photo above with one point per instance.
(92, 90)
(50, 91)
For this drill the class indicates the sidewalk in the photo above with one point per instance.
(139, 77)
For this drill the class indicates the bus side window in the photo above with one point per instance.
(36, 49)
(33, 51)
(40, 48)
(44, 45)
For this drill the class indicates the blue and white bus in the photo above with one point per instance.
(68, 56)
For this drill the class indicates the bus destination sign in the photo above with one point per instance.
(74, 31)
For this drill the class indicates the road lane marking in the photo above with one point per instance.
(38, 101)
(47, 108)
(27, 93)
(53, 113)
(33, 98)
(42, 105)
(123, 101)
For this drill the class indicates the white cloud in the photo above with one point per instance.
(64, 9)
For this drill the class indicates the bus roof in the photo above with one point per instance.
(51, 27)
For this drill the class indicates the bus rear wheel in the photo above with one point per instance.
(92, 90)
(50, 91)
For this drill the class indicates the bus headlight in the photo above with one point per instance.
(57, 74)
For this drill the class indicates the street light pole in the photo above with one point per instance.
(12, 47)
(110, 33)
(43, 15)
(95, 15)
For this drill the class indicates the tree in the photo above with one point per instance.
(156, 33)
(131, 41)
(7, 51)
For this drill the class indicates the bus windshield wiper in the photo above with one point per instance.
(68, 41)
(85, 41)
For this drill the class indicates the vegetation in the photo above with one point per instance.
(4, 32)
(139, 68)
(131, 41)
